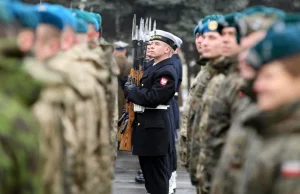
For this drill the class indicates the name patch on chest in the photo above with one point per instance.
(163, 81)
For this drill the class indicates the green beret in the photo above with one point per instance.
(279, 43)
(255, 22)
(209, 23)
(82, 26)
(263, 9)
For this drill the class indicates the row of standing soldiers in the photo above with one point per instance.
(240, 124)
(58, 101)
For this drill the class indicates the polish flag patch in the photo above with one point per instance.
(163, 81)
(290, 169)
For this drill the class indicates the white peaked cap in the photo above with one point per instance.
(166, 37)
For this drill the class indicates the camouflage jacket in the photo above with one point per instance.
(186, 119)
(185, 127)
(229, 169)
(272, 161)
(77, 127)
(19, 145)
(199, 127)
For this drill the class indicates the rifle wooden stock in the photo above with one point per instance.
(126, 138)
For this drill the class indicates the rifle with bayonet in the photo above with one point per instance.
(140, 39)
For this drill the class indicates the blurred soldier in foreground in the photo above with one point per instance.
(275, 155)
(237, 103)
(19, 145)
(120, 55)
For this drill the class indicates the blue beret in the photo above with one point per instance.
(280, 42)
(67, 16)
(26, 14)
(98, 18)
(6, 14)
(82, 26)
(210, 26)
(49, 15)
(209, 23)
(196, 30)
(87, 17)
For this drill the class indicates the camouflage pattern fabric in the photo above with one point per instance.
(186, 122)
(78, 128)
(19, 133)
(230, 166)
(273, 157)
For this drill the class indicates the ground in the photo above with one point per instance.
(126, 169)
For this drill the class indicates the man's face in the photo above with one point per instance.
(211, 45)
(230, 45)
(198, 42)
(45, 47)
(25, 40)
(148, 53)
(92, 33)
(158, 48)
(275, 86)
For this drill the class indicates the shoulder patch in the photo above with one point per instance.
(290, 169)
(163, 81)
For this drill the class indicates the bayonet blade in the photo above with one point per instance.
(136, 32)
(146, 26)
(154, 25)
(150, 27)
(133, 27)
(142, 30)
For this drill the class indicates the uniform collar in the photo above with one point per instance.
(283, 120)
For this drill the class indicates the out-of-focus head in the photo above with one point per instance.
(27, 16)
(278, 69)
(48, 32)
(230, 36)
(211, 46)
(120, 48)
(81, 31)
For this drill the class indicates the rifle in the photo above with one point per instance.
(140, 37)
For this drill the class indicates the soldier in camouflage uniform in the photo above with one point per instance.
(273, 159)
(188, 113)
(199, 171)
(229, 108)
(19, 133)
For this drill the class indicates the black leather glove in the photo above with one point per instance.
(128, 87)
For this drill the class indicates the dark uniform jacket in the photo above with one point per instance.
(152, 128)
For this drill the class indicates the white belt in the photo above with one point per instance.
(161, 107)
(176, 94)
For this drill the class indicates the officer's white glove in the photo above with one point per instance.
(138, 108)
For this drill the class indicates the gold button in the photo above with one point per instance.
(142, 85)
(138, 124)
